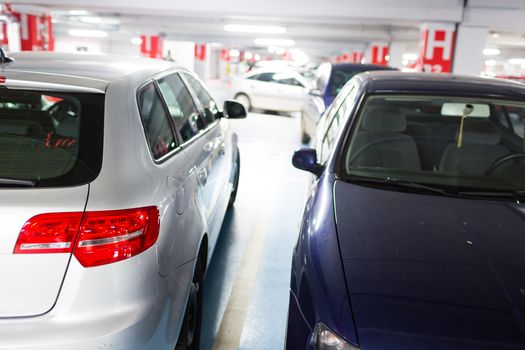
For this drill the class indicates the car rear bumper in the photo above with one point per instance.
(124, 305)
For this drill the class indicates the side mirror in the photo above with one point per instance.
(315, 92)
(306, 159)
(234, 110)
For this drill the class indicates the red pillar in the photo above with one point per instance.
(151, 46)
(436, 47)
(200, 52)
(357, 56)
(36, 32)
(379, 54)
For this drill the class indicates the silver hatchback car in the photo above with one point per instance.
(115, 177)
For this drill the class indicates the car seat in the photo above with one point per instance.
(480, 149)
(381, 143)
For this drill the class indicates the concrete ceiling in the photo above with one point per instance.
(318, 27)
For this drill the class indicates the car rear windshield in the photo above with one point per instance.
(339, 78)
(459, 144)
(50, 138)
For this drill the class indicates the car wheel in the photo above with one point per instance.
(305, 138)
(190, 332)
(244, 100)
(233, 195)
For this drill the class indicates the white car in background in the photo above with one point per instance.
(280, 90)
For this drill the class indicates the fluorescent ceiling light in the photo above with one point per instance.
(517, 61)
(491, 51)
(490, 63)
(274, 42)
(410, 56)
(136, 40)
(245, 28)
(86, 33)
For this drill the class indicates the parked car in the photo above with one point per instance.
(281, 90)
(330, 79)
(115, 177)
(412, 236)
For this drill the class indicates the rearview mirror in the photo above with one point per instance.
(306, 159)
(452, 109)
(316, 92)
(234, 110)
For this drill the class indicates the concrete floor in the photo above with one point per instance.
(247, 284)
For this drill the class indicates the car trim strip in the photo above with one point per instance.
(110, 240)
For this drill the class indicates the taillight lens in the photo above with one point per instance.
(48, 233)
(110, 236)
(104, 237)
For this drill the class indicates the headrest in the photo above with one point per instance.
(384, 119)
(68, 127)
(13, 128)
(480, 132)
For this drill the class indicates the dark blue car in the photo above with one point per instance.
(413, 236)
(330, 79)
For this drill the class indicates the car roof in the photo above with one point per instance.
(92, 71)
(445, 84)
(360, 66)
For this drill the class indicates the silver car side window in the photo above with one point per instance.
(156, 123)
(210, 109)
(181, 106)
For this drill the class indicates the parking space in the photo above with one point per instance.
(247, 284)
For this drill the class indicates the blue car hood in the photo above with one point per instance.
(432, 272)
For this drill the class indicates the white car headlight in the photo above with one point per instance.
(325, 339)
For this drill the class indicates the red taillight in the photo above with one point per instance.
(110, 236)
(104, 237)
(48, 233)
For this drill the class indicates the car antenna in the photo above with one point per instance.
(4, 58)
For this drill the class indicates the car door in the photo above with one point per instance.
(262, 90)
(197, 142)
(220, 157)
(181, 187)
(291, 93)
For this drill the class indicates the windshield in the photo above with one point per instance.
(339, 79)
(461, 144)
(49, 138)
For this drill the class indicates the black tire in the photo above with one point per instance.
(236, 177)
(243, 99)
(190, 331)
(305, 138)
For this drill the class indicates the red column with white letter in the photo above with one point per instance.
(436, 47)
(200, 52)
(151, 46)
(357, 56)
(36, 31)
(378, 54)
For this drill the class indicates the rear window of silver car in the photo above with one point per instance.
(49, 138)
